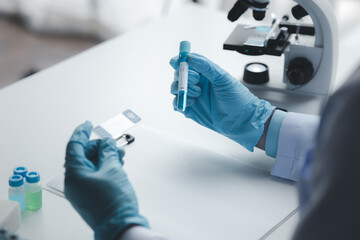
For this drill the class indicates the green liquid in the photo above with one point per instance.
(33, 200)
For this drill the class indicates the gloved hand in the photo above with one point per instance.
(97, 186)
(220, 102)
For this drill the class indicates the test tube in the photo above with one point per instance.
(183, 75)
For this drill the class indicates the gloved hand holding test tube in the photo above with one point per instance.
(183, 75)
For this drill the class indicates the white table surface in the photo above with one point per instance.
(131, 71)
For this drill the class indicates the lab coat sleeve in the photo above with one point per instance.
(296, 136)
(141, 233)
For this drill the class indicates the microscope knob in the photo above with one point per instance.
(299, 12)
(299, 71)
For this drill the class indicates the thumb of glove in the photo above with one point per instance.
(213, 72)
(108, 152)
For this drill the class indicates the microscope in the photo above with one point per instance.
(310, 53)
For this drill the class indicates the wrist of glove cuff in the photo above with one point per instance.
(117, 224)
(249, 134)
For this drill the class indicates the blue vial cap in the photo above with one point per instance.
(32, 177)
(16, 181)
(20, 171)
(185, 47)
(184, 50)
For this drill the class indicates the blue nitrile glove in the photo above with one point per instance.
(220, 102)
(97, 185)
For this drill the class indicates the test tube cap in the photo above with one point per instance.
(32, 177)
(20, 171)
(185, 47)
(16, 181)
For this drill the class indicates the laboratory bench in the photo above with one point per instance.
(132, 71)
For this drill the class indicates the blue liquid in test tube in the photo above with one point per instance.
(183, 75)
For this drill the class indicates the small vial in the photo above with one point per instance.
(33, 191)
(17, 191)
(20, 171)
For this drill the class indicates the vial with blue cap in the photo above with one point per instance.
(183, 75)
(17, 191)
(33, 191)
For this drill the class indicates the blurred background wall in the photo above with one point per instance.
(36, 34)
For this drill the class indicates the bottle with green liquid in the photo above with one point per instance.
(33, 191)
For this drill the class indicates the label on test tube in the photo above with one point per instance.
(183, 84)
